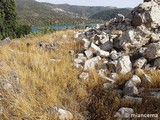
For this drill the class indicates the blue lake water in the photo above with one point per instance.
(61, 27)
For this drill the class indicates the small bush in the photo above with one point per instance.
(22, 30)
(45, 30)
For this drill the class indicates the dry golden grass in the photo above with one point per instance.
(121, 79)
(46, 83)
(155, 76)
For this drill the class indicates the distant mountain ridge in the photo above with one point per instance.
(82, 11)
(36, 13)
(112, 13)
(41, 13)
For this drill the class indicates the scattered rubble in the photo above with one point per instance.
(125, 44)
(122, 46)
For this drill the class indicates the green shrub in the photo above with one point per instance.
(79, 27)
(45, 30)
(22, 30)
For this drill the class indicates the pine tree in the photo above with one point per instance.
(1, 19)
(9, 18)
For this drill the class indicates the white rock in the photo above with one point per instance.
(95, 47)
(133, 81)
(62, 114)
(77, 61)
(120, 18)
(103, 53)
(155, 37)
(101, 73)
(155, 14)
(124, 65)
(5, 41)
(87, 29)
(124, 113)
(7, 86)
(97, 26)
(64, 36)
(78, 66)
(80, 55)
(100, 52)
(86, 43)
(77, 35)
(147, 13)
(114, 55)
(140, 62)
(88, 53)
(84, 76)
(90, 64)
(113, 76)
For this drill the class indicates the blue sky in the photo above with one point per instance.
(117, 3)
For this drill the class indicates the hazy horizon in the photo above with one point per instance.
(114, 3)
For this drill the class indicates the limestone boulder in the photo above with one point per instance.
(90, 64)
(124, 65)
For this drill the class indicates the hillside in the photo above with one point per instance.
(34, 13)
(37, 13)
(109, 14)
(82, 11)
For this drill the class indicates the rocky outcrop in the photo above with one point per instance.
(128, 43)
(122, 46)
(5, 41)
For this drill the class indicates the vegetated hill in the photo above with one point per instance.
(109, 14)
(36, 13)
(41, 13)
(82, 11)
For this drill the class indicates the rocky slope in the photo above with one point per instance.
(108, 72)
(123, 46)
